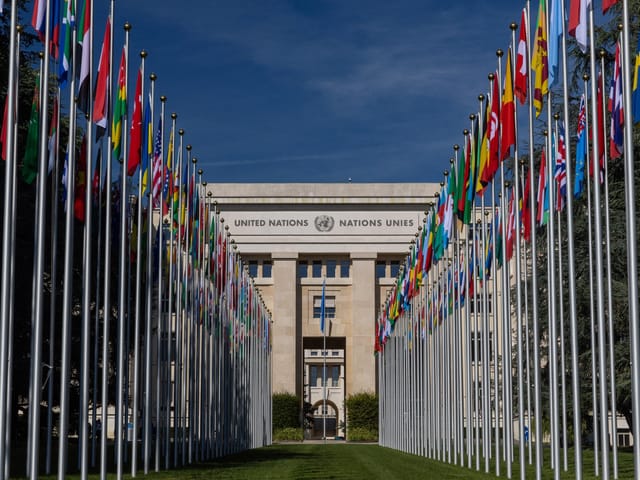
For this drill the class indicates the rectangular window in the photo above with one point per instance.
(266, 269)
(476, 305)
(329, 307)
(395, 268)
(316, 269)
(381, 269)
(335, 375)
(331, 268)
(477, 346)
(313, 375)
(253, 268)
(345, 266)
(303, 270)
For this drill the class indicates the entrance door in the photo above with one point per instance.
(328, 419)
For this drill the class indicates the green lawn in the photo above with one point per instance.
(351, 461)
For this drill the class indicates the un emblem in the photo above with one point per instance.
(324, 223)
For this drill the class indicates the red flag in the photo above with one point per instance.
(522, 67)
(600, 133)
(136, 130)
(493, 162)
(526, 209)
(542, 189)
(100, 104)
(511, 226)
(3, 137)
(81, 182)
(607, 4)
(578, 22)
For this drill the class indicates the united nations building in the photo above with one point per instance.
(295, 236)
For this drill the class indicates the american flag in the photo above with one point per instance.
(157, 166)
(560, 172)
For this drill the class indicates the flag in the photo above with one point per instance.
(493, 134)
(482, 155)
(54, 41)
(539, 62)
(38, 17)
(581, 148)
(84, 44)
(511, 225)
(120, 107)
(607, 4)
(100, 108)
(64, 181)
(522, 67)
(507, 113)
(53, 135)
(68, 21)
(95, 183)
(599, 133)
(526, 209)
(135, 137)
(81, 182)
(560, 170)
(147, 143)
(635, 96)
(471, 185)
(30, 159)
(156, 168)
(556, 26)
(578, 22)
(616, 138)
(543, 201)
(3, 136)
(463, 180)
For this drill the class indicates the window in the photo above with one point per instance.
(478, 300)
(303, 271)
(313, 375)
(477, 347)
(266, 269)
(331, 268)
(381, 267)
(253, 268)
(345, 265)
(335, 375)
(395, 268)
(329, 307)
(316, 269)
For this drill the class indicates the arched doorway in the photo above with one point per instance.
(328, 417)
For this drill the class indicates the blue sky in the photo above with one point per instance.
(315, 90)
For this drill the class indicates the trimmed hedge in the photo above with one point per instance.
(362, 416)
(286, 411)
(288, 435)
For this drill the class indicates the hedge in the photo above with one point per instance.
(362, 414)
(286, 411)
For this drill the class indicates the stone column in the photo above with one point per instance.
(285, 333)
(360, 363)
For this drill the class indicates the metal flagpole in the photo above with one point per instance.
(610, 326)
(597, 150)
(324, 362)
(632, 257)
(36, 328)
(534, 273)
(573, 315)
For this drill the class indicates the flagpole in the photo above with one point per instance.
(534, 273)
(67, 305)
(573, 314)
(632, 258)
(610, 326)
(324, 366)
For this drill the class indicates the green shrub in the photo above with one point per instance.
(286, 411)
(359, 434)
(362, 412)
(288, 435)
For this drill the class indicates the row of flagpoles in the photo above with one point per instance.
(174, 360)
(486, 302)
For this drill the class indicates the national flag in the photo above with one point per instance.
(100, 107)
(542, 208)
(81, 182)
(482, 154)
(556, 26)
(30, 159)
(463, 180)
(84, 46)
(635, 96)
(522, 66)
(167, 192)
(147, 144)
(525, 216)
(95, 183)
(507, 113)
(54, 42)
(539, 61)
(135, 137)
(511, 226)
(493, 133)
(68, 21)
(581, 149)
(471, 185)
(560, 170)
(120, 107)
(578, 22)
(53, 135)
(3, 135)
(64, 181)
(599, 133)
(607, 4)
(38, 18)
(616, 137)
(157, 166)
